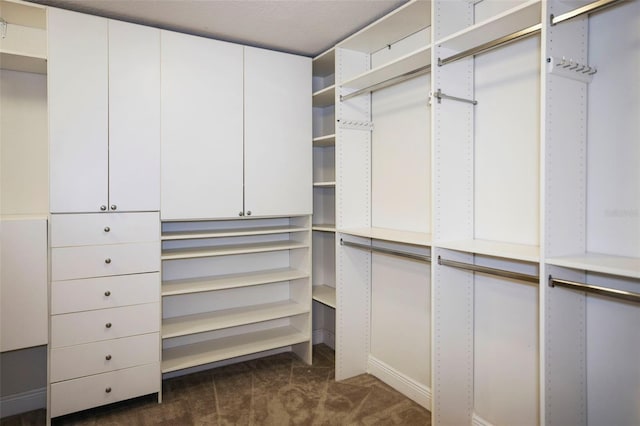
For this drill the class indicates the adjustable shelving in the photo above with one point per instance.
(23, 45)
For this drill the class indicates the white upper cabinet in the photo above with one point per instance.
(78, 96)
(134, 117)
(103, 83)
(278, 156)
(202, 126)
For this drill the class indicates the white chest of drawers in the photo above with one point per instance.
(105, 309)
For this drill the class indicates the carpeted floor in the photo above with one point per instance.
(278, 390)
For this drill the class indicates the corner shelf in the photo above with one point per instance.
(324, 97)
(323, 141)
(325, 294)
(628, 267)
(180, 357)
(328, 227)
(521, 252)
(328, 184)
(391, 235)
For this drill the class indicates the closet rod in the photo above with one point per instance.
(535, 29)
(418, 257)
(589, 8)
(390, 82)
(486, 270)
(588, 288)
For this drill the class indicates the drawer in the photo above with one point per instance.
(103, 228)
(68, 263)
(105, 292)
(100, 357)
(79, 394)
(104, 324)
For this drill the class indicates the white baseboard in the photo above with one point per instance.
(23, 402)
(476, 420)
(324, 336)
(403, 384)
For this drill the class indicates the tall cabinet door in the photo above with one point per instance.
(201, 128)
(78, 106)
(278, 155)
(134, 117)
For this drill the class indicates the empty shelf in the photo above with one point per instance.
(324, 97)
(179, 357)
(330, 184)
(201, 284)
(238, 232)
(324, 64)
(210, 321)
(523, 252)
(328, 227)
(392, 235)
(595, 262)
(325, 295)
(226, 250)
(327, 140)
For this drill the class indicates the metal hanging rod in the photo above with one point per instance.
(440, 96)
(527, 32)
(390, 82)
(486, 270)
(418, 257)
(588, 288)
(589, 8)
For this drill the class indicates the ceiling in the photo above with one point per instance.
(305, 27)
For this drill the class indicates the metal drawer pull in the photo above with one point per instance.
(107, 260)
(249, 213)
(108, 390)
(113, 207)
(108, 357)
(107, 293)
(108, 325)
(107, 229)
(103, 207)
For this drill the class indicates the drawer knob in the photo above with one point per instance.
(108, 357)
(108, 325)
(108, 390)
(241, 214)
(113, 207)
(249, 213)
(103, 207)
(107, 229)
(107, 293)
(107, 260)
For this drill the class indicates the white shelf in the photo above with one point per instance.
(19, 62)
(522, 252)
(325, 227)
(226, 250)
(595, 262)
(203, 284)
(324, 97)
(392, 235)
(325, 295)
(238, 232)
(327, 140)
(400, 66)
(180, 357)
(324, 64)
(329, 184)
(516, 19)
(402, 22)
(210, 321)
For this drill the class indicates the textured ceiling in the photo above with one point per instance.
(306, 27)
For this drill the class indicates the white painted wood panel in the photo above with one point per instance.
(202, 127)
(278, 155)
(91, 391)
(104, 292)
(134, 117)
(69, 263)
(23, 284)
(99, 229)
(78, 111)
(104, 324)
(100, 357)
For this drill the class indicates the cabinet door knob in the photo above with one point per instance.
(113, 207)
(103, 207)
(107, 293)
(241, 214)
(108, 357)
(108, 325)
(249, 213)
(107, 260)
(107, 229)
(108, 390)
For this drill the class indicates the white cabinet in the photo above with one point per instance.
(234, 124)
(202, 127)
(278, 159)
(104, 111)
